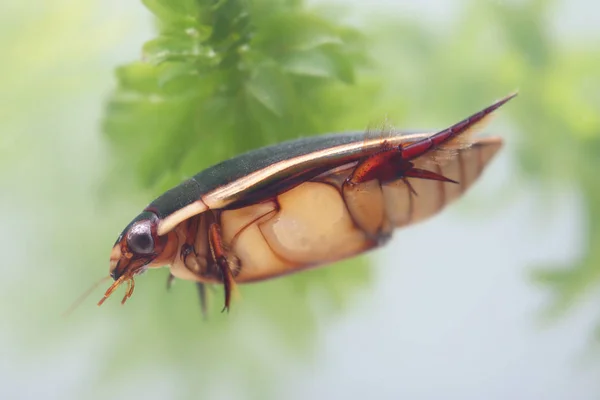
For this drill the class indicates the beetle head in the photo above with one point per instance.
(134, 250)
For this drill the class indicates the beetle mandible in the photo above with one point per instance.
(300, 204)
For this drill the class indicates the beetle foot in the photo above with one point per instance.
(202, 296)
(425, 174)
(228, 281)
(170, 280)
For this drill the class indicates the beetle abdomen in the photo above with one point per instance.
(319, 222)
(306, 226)
(404, 206)
(427, 198)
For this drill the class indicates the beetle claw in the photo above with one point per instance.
(215, 241)
(430, 175)
(228, 282)
(410, 187)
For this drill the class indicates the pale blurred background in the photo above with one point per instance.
(496, 298)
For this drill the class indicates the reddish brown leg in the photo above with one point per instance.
(217, 249)
(424, 174)
(202, 295)
(392, 163)
(187, 250)
(388, 166)
(190, 238)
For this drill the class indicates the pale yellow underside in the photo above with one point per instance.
(313, 225)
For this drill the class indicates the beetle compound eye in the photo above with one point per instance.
(140, 239)
(141, 243)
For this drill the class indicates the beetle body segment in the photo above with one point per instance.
(303, 203)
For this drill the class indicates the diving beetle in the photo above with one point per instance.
(300, 204)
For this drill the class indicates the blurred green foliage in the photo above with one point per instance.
(224, 77)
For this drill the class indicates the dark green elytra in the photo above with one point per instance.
(235, 168)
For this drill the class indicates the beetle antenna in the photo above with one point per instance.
(84, 295)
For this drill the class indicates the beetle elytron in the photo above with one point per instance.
(300, 204)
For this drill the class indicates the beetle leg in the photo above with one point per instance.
(190, 237)
(217, 249)
(170, 280)
(395, 162)
(188, 252)
(424, 174)
(202, 295)
(388, 166)
(409, 186)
